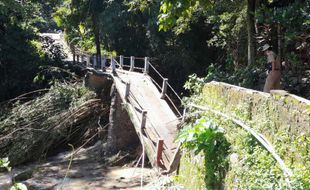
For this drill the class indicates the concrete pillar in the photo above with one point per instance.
(146, 66)
(164, 88)
(143, 119)
(94, 61)
(127, 89)
(132, 63)
(87, 61)
(121, 61)
(184, 114)
(103, 63)
(112, 64)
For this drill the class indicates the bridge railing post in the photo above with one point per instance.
(121, 61)
(159, 151)
(81, 57)
(164, 89)
(94, 61)
(143, 119)
(103, 61)
(127, 91)
(112, 64)
(132, 63)
(184, 114)
(73, 57)
(146, 66)
(87, 61)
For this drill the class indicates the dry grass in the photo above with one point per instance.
(30, 129)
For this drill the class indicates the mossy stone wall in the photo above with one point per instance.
(283, 118)
(284, 111)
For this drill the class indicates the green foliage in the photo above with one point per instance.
(131, 28)
(4, 163)
(179, 12)
(19, 186)
(80, 20)
(292, 17)
(247, 77)
(74, 17)
(194, 84)
(207, 137)
(21, 52)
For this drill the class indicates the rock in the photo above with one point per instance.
(5, 181)
(23, 175)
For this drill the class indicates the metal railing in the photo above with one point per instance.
(164, 88)
(141, 65)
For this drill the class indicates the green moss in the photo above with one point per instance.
(282, 119)
(192, 171)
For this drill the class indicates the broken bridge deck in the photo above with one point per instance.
(155, 122)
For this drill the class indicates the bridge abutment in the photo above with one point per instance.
(121, 132)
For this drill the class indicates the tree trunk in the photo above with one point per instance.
(251, 31)
(73, 52)
(280, 44)
(97, 39)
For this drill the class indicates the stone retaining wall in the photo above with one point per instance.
(284, 119)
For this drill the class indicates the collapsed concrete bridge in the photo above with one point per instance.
(152, 111)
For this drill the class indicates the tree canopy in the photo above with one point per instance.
(220, 39)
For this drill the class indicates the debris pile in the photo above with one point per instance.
(66, 113)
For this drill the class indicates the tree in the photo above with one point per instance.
(251, 30)
(74, 14)
(96, 7)
(20, 55)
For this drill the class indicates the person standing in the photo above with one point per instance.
(273, 69)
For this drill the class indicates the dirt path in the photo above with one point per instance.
(87, 172)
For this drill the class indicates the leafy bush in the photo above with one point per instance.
(207, 137)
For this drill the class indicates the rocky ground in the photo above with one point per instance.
(87, 171)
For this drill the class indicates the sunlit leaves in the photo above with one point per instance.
(19, 186)
(4, 163)
(206, 137)
(61, 14)
(178, 13)
(202, 135)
